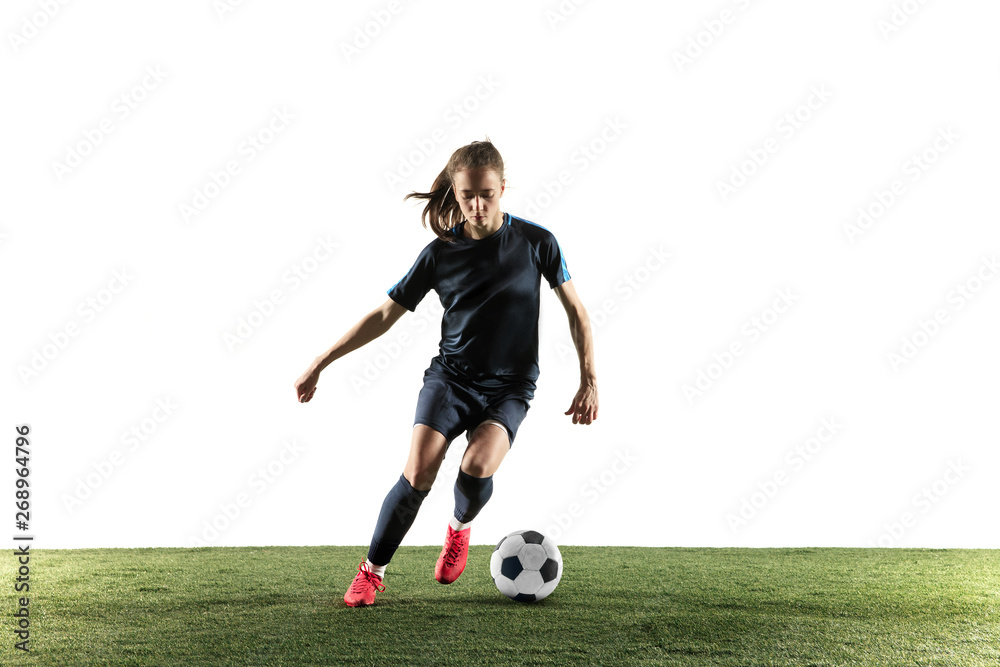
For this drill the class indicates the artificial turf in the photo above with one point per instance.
(614, 605)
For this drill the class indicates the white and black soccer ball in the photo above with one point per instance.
(526, 566)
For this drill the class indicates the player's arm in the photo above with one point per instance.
(371, 326)
(584, 407)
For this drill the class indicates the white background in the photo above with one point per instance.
(912, 458)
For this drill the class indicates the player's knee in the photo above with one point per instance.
(480, 464)
(475, 470)
(486, 450)
(420, 479)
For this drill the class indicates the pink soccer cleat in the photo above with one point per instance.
(451, 562)
(362, 590)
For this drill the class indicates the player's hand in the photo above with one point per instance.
(584, 407)
(305, 386)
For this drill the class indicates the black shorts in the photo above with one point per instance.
(450, 405)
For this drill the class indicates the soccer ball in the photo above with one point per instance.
(526, 566)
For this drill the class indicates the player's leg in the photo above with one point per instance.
(442, 408)
(437, 420)
(401, 504)
(427, 450)
(399, 509)
(489, 443)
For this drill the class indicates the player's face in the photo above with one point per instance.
(478, 192)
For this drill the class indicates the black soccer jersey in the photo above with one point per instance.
(489, 289)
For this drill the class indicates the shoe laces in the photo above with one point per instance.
(369, 578)
(455, 547)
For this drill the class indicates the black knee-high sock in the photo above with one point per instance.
(471, 493)
(399, 509)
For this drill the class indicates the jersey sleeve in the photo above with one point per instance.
(410, 290)
(553, 262)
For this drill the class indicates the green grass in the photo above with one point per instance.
(614, 605)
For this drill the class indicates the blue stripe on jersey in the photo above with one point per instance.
(562, 257)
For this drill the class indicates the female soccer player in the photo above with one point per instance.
(486, 267)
